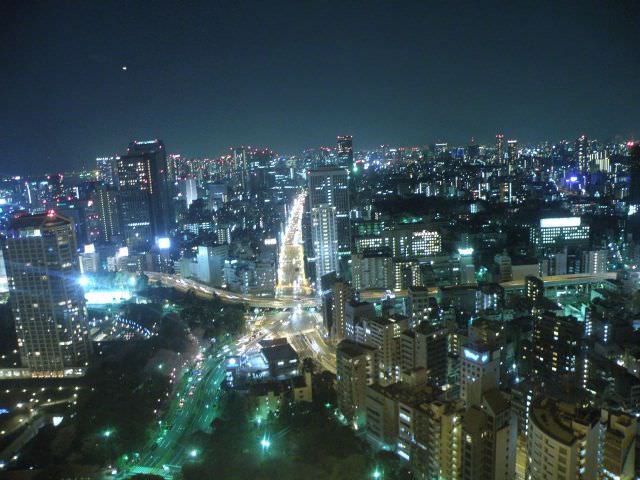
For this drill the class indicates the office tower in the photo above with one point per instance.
(89, 260)
(441, 149)
(355, 369)
(479, 372)
(344, 152)
(534, 289)
(240, 166)
(143, 193)
(594, 261)
(355, 312)
(563, 440)
(105, 200)
(503, 261)
(341, 294)
(556, 352)
(634, 175)
(210, 261)
(560, 231)
(500, 153)
(107, 169)
(55, 185)
(383, 334)
(489, 433)
(46, 297)
(512, 154)
(330, 186)
(372, 270)
(325, 240)
(582, 153)
(425, 347)
(438, 439)
(619, 446)
(188, 190)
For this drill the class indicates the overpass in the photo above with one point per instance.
(564, 281)
(251, 300)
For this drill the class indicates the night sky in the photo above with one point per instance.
(290, 75)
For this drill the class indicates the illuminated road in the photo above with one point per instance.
(291, 276)
(192, 409)
(206, 291)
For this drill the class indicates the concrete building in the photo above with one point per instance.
(46, 297)
(355, 369)
(563, 440)
(425, 347)
(210, 264)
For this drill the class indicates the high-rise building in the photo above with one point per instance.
(144, 193)
(582, 153)
(344, 151)
(489, 433)
(563, 440)
(330, 186)
(619, 446)
(534, 289)
(107, 170)
(341, 293)
(210, 261)
(325, 240)
(560, 231)
(479, 372)
(355, 369)
(512, 154)
(425, 347)
(105, 199)
(188, 190)
(556, 352)
(46, 296)
(500, 153)
(594, 261)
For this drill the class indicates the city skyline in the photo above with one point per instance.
(292, 77)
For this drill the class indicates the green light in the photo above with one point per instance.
(193, 453)
(377, 473)
(265, 443)
(107, 433)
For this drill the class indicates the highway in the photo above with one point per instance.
(195, 398)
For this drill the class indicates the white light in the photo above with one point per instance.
(122, 252)
(56, 421)
(164, 243)
(84, 281)
(465, 251)
(90, 248)
(560, 222)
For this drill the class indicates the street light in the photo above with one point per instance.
(193, 453)
(265, 443)
(376, 474)
(107, 433)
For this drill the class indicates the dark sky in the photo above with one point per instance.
(207, 75)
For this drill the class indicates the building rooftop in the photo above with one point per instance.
(560, 419)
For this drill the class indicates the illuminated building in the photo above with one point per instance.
(425, 347)
(210, 260)
(341, 293)
(556, 348)
(534, 289)
(325, 240)
(46, 296)
(105, 200)
(489, 432)
(372, 270)
(563, 440)
(384, 335)
(500, 153)
(560, 231)
(479, 372)
(329, 186)
(419, 303)
(143, 193)
(355, 369)
(619, 447)
(582, 152)
(344, 151)
(594, 261)
(188, 190)
(512, 154)
(107, 170)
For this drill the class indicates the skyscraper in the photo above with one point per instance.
(46, 297)
(330, 186)
(106, 203)
(107, 169)
(344, 152)
(325, 240)
(143, 193)
(500, 148)
(582, 153)
(512, 154)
